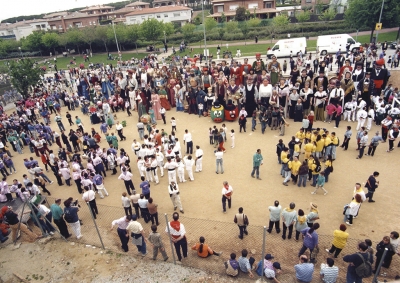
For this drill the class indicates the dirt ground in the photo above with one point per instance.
(201, 198)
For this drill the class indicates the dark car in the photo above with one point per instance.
(394, 45)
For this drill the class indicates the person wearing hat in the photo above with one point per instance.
(245, 70)
(366, 87)
(271, 270)
(380, 76)
(358, 74)
(312, 215)
(258, 65)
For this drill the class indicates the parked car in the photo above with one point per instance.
(394, 45)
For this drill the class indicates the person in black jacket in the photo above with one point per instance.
(372, 185)
(356, 260)
(380, 248)
(13, 221)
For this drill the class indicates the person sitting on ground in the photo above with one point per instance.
(203, 250)
(232, 266)
(304, 269)
(246, 264)
(329, 272)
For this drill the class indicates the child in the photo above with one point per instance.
(200, 107)
(128, 107)
(282, 125)
(320, 183)
(305, 123)
(211, 135)
(163, 111)
(157, 244)
(310, 118)
(254, 120)
(233, 138)
(173, 124)
(284, 67)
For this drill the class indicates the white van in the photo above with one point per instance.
(332, 43)
(288, 47)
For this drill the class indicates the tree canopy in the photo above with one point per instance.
(24, 74)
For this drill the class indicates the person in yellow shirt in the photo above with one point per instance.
(297, 148)
(307, 137)
(294, 168)
(328, 167)
(286, 169)
(335, 144)
(315, 168)
(300, 135)
(314, 136)
(327, 145)
(319, 146)
(284, 155)
(309, 149)
(321, 131)
(339, 240)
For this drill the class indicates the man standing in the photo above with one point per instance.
(393, 134)
(227, 192)
(127, 177)
(219, 160)
(372, 184)
(257, 161)
(122, 223)
(137, 233)
(363, 143)
(355, 260)
(199, 159)
(242, 221)
(187, 139)
(274, 217)
(145, 186)
(177, 233)
(144, 211)
(305, 270)
(379, 76)
(386, 125)
(288, 219)
(57, 213)
(171, 166)
(90, 197)
(374, 143)
(173, 191)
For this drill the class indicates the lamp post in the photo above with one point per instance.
(204, 29)
(115, 35)
(165, 38)
(19, 48)
(380, 17)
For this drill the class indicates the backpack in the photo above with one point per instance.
(68, 217)
(260, 268)
(364, 270)
(318, 168)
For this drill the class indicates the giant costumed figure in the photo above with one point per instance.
(379, 76)
(258, 65)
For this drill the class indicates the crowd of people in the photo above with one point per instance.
(260, 93)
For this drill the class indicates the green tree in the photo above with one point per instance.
(133, 33)
(169, 28)
(101, 35)
(75, 37)
(24, 74)
(365, 13)
(240, 14)
(197, 20)
(51, 40)
(63, 40)
(279, 23)
(254, 22)
(328, 15)
(244, 27)
(188, 31)
(221, 33)
(223, 18)
(303, 16)
(151, 30)
(231, 26)
(210, 24)
(89, 35)
(34, 41)
(248, 15)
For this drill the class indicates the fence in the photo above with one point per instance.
(222, 237)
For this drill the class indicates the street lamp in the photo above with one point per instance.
(19, 48)
(115, 35)
(204, 30)
(165, 38)
(380, 17)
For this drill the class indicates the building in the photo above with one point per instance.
(22, 29)
(264, 9)
(314, 3)
(97, 9)
(160, 3)
(167, 14)
(77, 19)
(139, 4)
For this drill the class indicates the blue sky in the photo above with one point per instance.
(16, 8)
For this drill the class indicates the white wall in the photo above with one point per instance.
(166, 17)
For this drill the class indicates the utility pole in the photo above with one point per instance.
(380, 18)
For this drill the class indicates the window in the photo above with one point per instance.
(268, 5)
(308, 1)
(177, 15)
(233, 7)
(220, 9)
(351, 41)
(60, 27)
(165, 15)
(253, 5)
(143, 17)
(276, 47)
(158, 16)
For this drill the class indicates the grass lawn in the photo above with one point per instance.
(62, 62)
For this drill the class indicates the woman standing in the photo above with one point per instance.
(292, 99)
(347, 85)
(155, 100)
(301, 223)
(298, 111)
(307, 96)
(283, 92)
(339, 240)
(294, 74)
(319, 102)
(312, 215)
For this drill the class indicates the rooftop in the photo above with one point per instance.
(137, 3)
(161, 9)
(95, 8)
(53, 15)
(233, 13)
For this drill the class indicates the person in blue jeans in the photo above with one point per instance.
(257, 161)
(355, 260)
(137, 234)
(303, 174)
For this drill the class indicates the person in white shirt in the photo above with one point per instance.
(243, 112)
(160, 160)
(171, 166)
(177, 232)
(370, 118)
(127, 177)
(349, 108)
(181, 170)
(135, 147)
(187, 139)
(173, 191)
(66, 173)
(140, 165)
(329, 272)
(274, 217)
(189, 162)
(264, 92)
(219, 160)
(90, 197)
(227, 192)
(363, 144)
(177, 148)
(199, 159)
(361, 116)
(153, 167)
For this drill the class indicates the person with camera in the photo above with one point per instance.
(71, 216)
